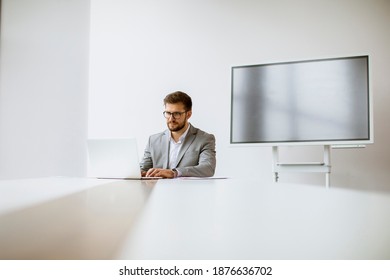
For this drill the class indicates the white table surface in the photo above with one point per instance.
(245, 219)
(21, 193)
(78, 218)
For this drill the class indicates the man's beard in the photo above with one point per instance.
(176, 128)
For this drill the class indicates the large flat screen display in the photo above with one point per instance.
(323, 101)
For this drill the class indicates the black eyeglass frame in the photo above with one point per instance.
(174, 115)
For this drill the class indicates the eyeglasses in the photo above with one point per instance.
(175, 115)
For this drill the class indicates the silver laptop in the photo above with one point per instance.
(114, 159)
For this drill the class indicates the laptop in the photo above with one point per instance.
(114, 158)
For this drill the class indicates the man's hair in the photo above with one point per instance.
(177, 97)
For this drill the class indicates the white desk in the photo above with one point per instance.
(199, 219)
(80, 219)
(22, 193)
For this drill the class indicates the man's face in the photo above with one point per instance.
(178, 123)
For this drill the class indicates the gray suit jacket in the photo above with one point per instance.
(196, 157)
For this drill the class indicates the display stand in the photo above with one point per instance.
(320, 167)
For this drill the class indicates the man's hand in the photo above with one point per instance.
(159, 172)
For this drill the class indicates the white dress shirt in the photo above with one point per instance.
(174, 149)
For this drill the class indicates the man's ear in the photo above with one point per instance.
(189, 114)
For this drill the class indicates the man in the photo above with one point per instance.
(182, 149)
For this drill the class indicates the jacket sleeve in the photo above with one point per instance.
(147, 161)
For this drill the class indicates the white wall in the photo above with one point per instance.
(142, 50)
(44, 86)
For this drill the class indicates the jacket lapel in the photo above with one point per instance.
(165, 148)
